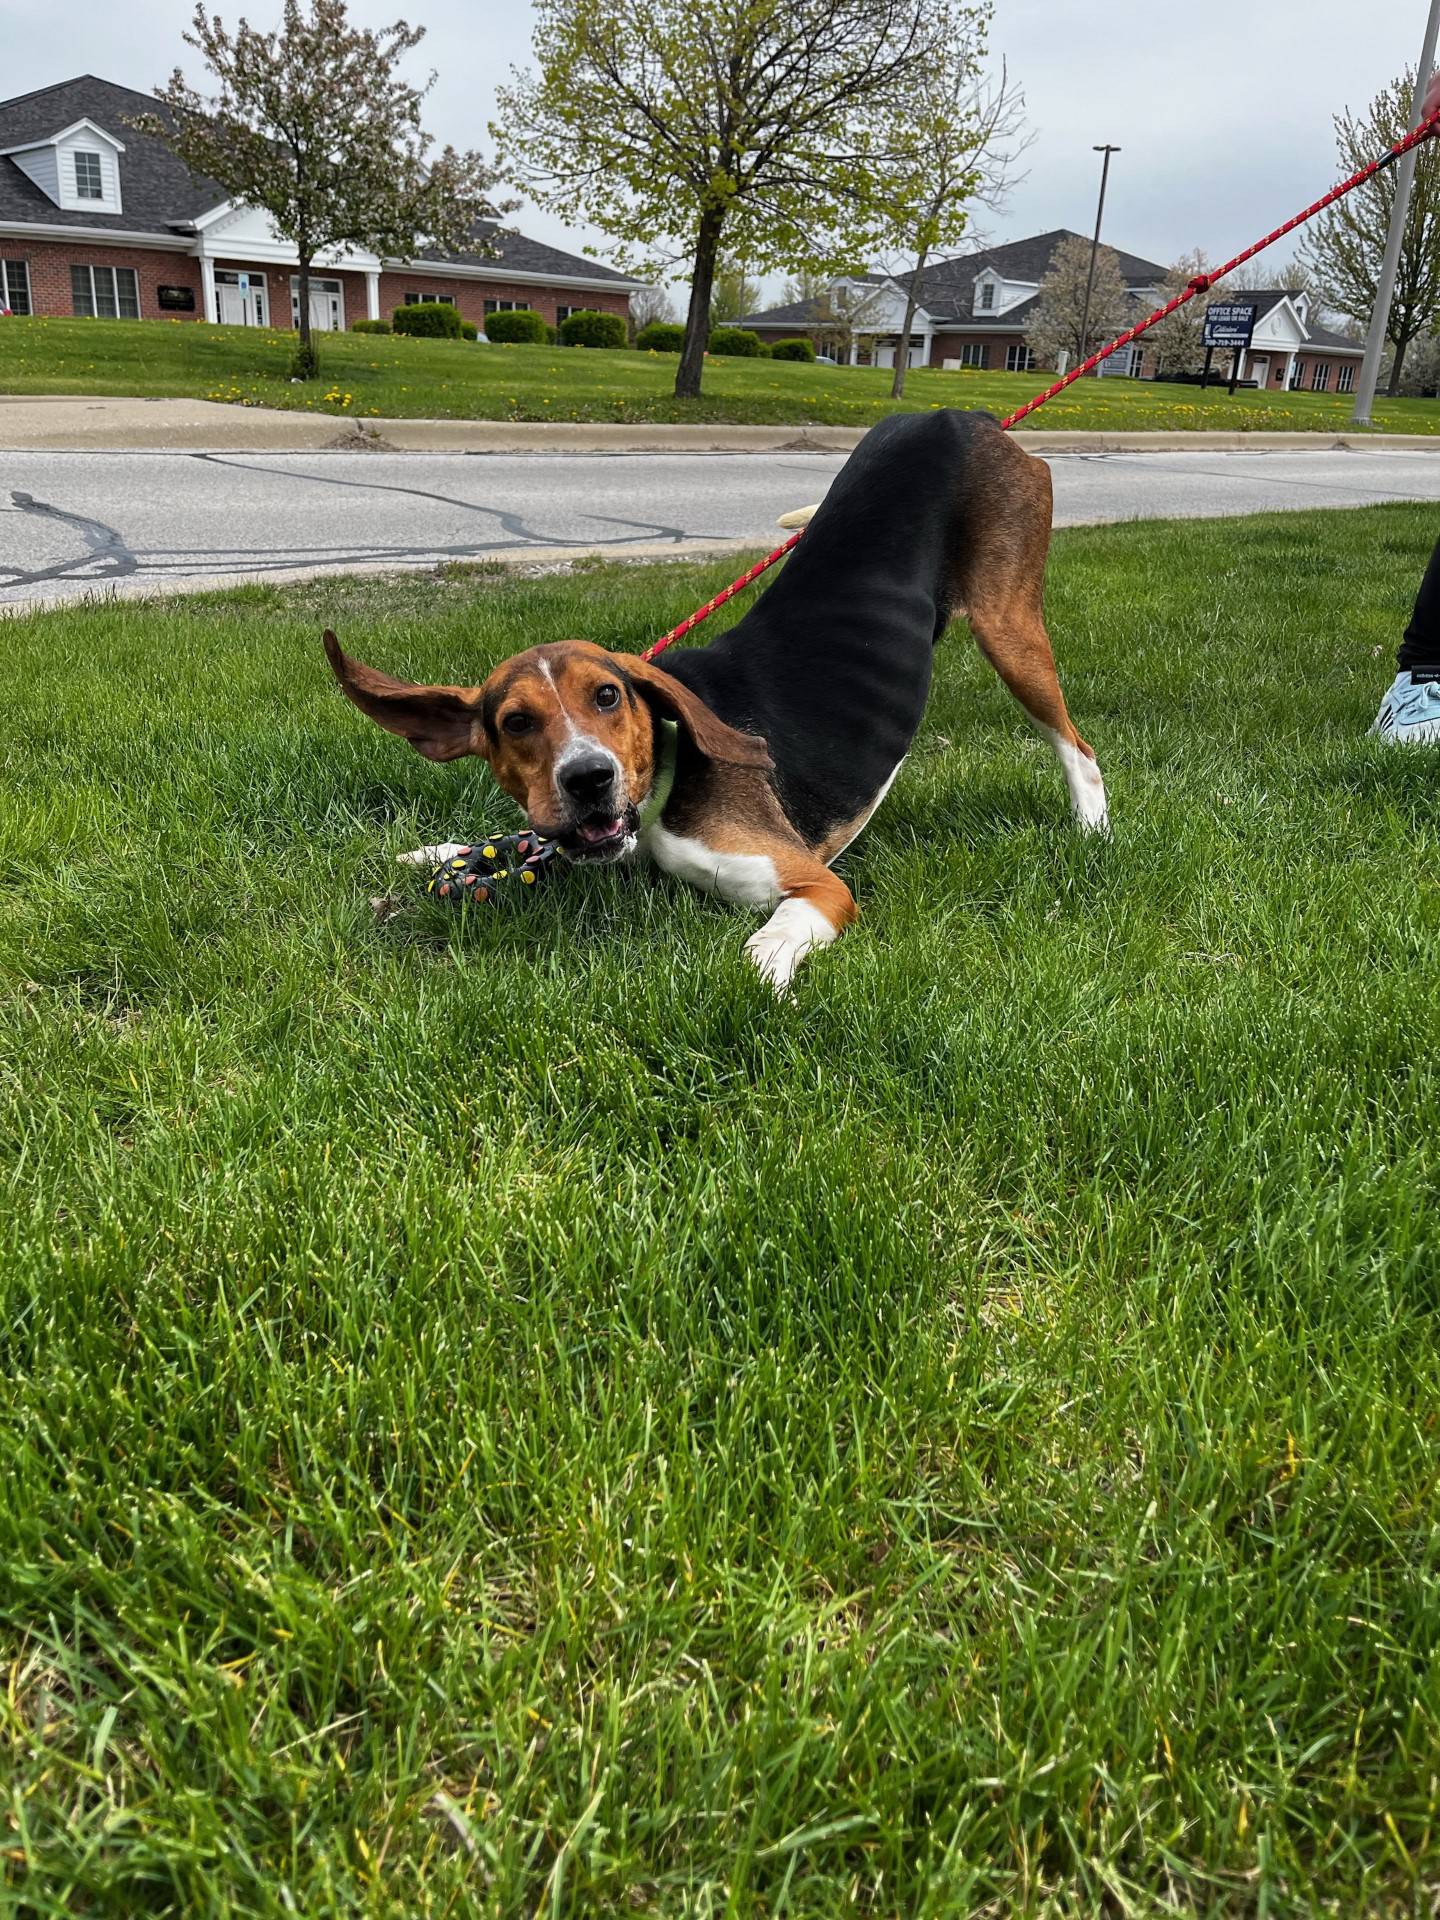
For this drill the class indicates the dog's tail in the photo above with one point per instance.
(800, 517)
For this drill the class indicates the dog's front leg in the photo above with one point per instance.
(766, 868)
(815, 908)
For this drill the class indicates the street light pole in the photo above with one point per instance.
(1095, 243)
(1385, 290)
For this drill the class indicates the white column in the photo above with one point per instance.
(855, 352)
(372, 296)
(207, 281)
(1240, 364)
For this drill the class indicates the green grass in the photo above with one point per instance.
(367, 375)
(503, 1417)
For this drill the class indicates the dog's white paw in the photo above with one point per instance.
(777, 949)
(431, 856)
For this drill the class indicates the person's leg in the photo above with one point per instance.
(1410, 712)
(1419, 654)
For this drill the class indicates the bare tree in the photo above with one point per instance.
(1056, 327)
(957, 146)
(749, 127)
(1346, 244)
(846, 312)
(313, 124)
(647, 305)
(733, 294)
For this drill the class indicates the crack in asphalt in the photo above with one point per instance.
(103, 544)
(511, 523)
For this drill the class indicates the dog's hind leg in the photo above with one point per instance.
(1001, 589)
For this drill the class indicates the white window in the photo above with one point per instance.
(1137, 363)
(1345, 379)
(89, 184)
(504, 306)
(105, 293)
(15, 286)
(973, 354)
(564, 313)
(429, 299)
(1018, 359)
(986, 302)
(1320, 377)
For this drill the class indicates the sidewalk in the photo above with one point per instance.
(68, 422)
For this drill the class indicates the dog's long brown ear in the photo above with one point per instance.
(709, 732)
(441, 722)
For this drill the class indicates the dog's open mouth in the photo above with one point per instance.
(600, 836)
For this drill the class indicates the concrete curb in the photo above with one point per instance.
(100, 423)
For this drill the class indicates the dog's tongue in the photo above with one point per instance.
(594, 831)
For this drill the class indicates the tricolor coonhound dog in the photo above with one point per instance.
(789, 729)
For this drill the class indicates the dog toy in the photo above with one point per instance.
(494, 869)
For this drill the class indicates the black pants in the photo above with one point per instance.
(1420, 650)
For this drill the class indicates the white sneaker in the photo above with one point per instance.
(1409, 716)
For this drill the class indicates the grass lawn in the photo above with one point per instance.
(395, 377)
(503, 1417)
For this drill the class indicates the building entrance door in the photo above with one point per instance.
(241, 299)
(327, 305)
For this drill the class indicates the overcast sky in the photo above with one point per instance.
(1223, 115)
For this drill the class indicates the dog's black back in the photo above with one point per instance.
(832, 664)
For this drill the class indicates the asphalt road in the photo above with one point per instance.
(76, 523)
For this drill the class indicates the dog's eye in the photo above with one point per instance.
(607, 697)
(518, 721)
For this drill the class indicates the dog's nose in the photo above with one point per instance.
(588, 778)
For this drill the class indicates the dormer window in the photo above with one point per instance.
(89, 182)
(986, 303)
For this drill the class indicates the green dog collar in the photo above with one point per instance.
(664, 779)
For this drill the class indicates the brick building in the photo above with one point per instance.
(1290, 351)
(976, 311)
(97, 219)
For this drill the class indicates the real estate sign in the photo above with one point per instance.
(1229, 324)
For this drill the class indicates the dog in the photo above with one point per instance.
(748, 766)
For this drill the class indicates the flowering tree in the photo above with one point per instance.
(1057, 326)
(314, 124)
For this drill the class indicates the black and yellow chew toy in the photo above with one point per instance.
(495, 869)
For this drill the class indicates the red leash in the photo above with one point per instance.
(1202, 283)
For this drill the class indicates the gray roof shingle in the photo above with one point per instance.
(947, 290)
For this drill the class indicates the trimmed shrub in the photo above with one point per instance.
(468, 330)
(429, 319)
(523, 326)
(661, 336)
(552, 336)
(370, 326)
(737, 342)
(586, 329)
(792, 350)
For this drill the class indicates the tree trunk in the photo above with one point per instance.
(902, 352)
(306, 365)
(697, 320)
(1393, 386)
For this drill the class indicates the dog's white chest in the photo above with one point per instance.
(746, 879)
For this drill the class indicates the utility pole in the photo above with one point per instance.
(1095, 243)
(1385, 291)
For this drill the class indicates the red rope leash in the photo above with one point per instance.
(1202, 283)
